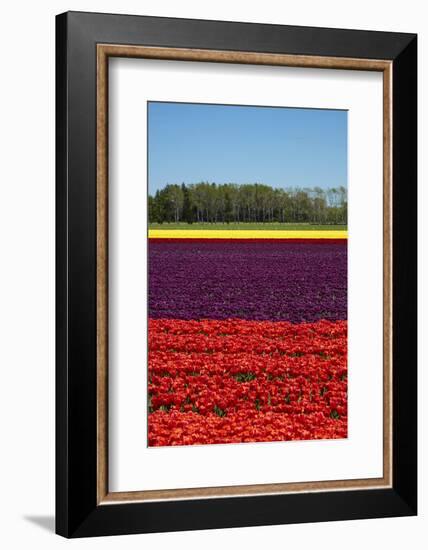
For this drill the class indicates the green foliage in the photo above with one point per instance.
(219, 412)
(249, 226)
(209, 203)
(245, 376)
(187, 212)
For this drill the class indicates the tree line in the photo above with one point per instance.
(206, 202)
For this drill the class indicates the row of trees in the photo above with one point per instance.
(256, 202)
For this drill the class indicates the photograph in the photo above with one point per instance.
(235, 275)
(212, 275)
(247, 273)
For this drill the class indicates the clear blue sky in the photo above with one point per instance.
(281, 147)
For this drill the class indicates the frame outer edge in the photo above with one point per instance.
(264, 37)
(61, 268)
(77, 513)
(405, 274)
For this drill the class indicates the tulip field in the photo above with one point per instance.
(247, 337)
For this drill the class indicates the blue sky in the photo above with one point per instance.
(281, 147)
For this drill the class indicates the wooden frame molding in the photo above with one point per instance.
(104, 52)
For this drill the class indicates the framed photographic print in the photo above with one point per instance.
(236, 274)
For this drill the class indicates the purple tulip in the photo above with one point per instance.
(248, 280)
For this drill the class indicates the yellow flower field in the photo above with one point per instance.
(244, 234)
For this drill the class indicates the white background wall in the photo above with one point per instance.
(27, 89)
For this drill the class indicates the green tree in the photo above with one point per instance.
(206, 202)
(187, 205)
